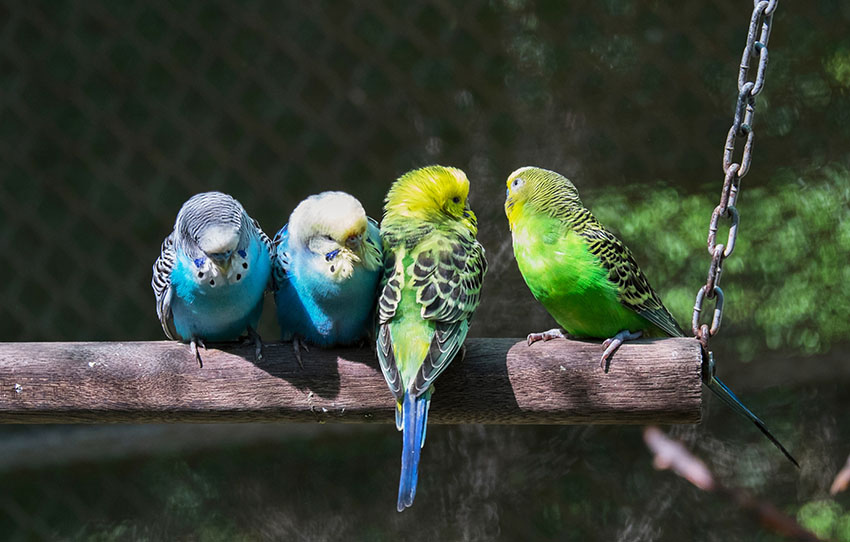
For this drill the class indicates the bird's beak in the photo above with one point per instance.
(223, 267)
(222, 261)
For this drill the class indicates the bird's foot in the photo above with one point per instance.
(255, 339)
(611, 345)
(297, 345)
(554, 333)
(193, 346)
(462, 352)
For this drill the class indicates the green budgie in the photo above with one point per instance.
(433, 269)
(587, 278)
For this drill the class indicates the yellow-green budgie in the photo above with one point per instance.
(433, 269)
(585, 277)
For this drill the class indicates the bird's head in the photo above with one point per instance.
(334, 229)
(219, 242)
(540, 189)
(432, 193)
(211, 228)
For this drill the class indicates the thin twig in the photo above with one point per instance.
(672, 454)
(842, 479)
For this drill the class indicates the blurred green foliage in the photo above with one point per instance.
(827, 519)
(785, 283)
(838, 66)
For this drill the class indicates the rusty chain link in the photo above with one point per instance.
(742, 126)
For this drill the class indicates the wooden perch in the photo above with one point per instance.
(500, 381)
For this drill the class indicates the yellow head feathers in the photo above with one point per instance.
(432, 193)
(541, 190)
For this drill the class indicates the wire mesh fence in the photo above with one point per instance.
(113, 113)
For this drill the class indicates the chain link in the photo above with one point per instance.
(758, 35)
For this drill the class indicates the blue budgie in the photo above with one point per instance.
(212, 273)
(327, 265)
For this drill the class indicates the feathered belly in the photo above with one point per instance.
(328, 314)
(220, 317)
(573, 286)
(223, 312)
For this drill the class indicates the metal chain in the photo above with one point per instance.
(742, 126)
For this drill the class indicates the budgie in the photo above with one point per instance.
(587, 278)
(327, 265)
(433, 269)
(212, 273)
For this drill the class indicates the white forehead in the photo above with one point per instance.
(339, 203)
(328, 212)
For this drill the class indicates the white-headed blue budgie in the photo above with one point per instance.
(212, 273)
(327, 264)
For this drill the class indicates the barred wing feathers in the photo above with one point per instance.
(280, 257)
(446, 274)
(270, 248)
(161, 284)
(633, 288)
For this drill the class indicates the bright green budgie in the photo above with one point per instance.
(585, 277)
(433, 269)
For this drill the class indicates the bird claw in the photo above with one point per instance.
(255, 339)
(612, 344)
(193, 346)
(297, 345)
(554, 333)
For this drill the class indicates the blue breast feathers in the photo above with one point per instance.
(311, 306)
(223, 310)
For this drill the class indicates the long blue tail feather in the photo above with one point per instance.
(414, 416)
(725, 394)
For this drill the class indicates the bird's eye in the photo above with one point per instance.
(517, 182)
(456, 199)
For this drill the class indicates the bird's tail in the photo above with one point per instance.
(414, 417)
(721, 390)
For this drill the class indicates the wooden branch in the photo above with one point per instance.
(501, 381)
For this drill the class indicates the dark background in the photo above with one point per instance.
(112, 114)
